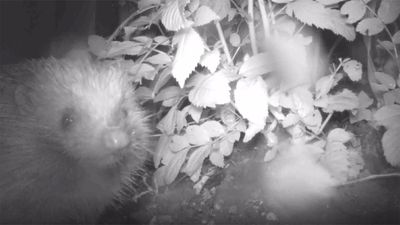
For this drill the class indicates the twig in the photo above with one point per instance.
(252, 31)
(222, 39)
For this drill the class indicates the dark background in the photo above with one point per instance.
(27, 28)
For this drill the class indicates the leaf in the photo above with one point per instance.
(204, 15)
(364, 100)
(195, 112)
(169, 92)
(391, 146)
(251, 99)
(98, 45)
(303, 102)
(159, 59)
(386, 45)
(353, 69)
(282, 1)
(385, 79)
(234, 39)
(190, 49)
(252, 130)
(167, 123)
(226, 147)
(213, 128)
(337, 162)
(389, 10)
(217, 159)
(172, 169)
(290, 120)
(180, 120)
(392, 97)
(324, 85)
(388, 116)
(314, 13)
(355, 9)
(143, 70)
(211, 60)
(339, 135)
(210, 90)
(197, 135)
(196, 159)
(396, 38)
(162, 40)
(256, 65)
(220, 7)
(118, 48)
(172, 16)
(370, 26)
(160, 149)
(143, 93)
(362, 114)
(345, 100)
(313, 121)
(329, 2)
(178, 143)
(145, 3)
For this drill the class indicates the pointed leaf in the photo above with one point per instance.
(391, 146)
(197, 135)
(210, 90)
(204, 15)
(256, 65)
(389, 10)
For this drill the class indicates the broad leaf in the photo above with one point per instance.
(355, 9)
(190, 49)
(370, 26)
(391, 146)
(389, 10)
(388, 116)
(353, 69)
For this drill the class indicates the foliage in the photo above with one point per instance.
(213, 93)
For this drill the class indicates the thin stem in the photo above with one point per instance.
(265, 20)
(252, 31)
(222, 39)
(115, 33)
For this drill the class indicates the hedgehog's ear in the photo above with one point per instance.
(23, 100)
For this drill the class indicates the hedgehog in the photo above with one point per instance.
(72, 137)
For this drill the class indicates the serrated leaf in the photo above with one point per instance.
(355, 9)
(159, 59)
(339, 135)
(364, 100)
(213, 128)
(226, 147)
(314, 13)
(220, 7)
(217, 159)
(353, 69)
(385, 79)
(256, 65)
(190, 49)
(247, 91)
(210, 90)
(389, 10)
(172, 16)
(196, 159)
(197, 135)
(211, 60)
(388, 116)
(370, 26)
(204, 15)
(345, 100)
(391, 146)
(169, 92)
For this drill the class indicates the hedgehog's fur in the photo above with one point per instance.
(71, 136)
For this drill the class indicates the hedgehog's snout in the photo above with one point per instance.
(116, 139)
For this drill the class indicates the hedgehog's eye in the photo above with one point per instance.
(67, 119)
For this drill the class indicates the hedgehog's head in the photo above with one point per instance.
(90, 108)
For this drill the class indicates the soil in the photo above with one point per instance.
(235, 195)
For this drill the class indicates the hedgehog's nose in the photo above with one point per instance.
(116, 139)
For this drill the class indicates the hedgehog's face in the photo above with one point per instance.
(91, 110)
